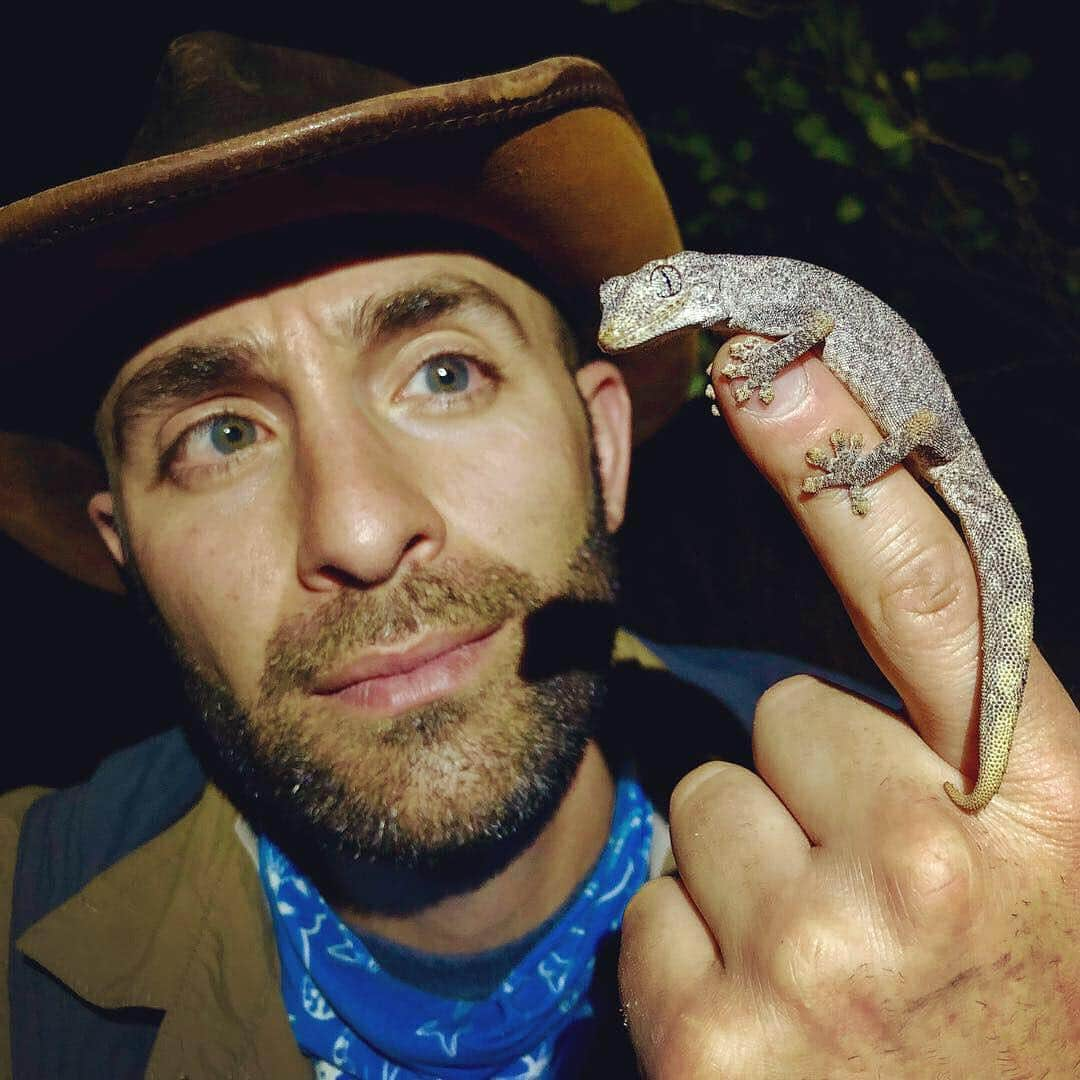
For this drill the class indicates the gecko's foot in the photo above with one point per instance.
(748, 361)
(839, 469)
(743, 391)
(748, 349)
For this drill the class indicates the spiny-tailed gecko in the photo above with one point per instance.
(894, 377)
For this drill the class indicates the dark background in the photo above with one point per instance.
(927, 150)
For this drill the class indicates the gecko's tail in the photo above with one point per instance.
(996, 541)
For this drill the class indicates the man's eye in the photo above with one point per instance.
(450, 381)
(228, 434)
(212, 443)
(442, 375)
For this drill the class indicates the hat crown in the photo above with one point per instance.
(214, 86)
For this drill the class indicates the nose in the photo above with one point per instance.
(611, 292)
(363, 513)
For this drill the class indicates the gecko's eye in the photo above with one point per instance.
(666, 280)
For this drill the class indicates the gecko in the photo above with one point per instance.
(892, 374)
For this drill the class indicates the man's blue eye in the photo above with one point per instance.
(447, 373)
(231, 433)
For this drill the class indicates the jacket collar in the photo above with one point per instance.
(180, 925)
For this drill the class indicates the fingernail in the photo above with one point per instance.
(789, 391)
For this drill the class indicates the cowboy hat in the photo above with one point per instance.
(243, 138)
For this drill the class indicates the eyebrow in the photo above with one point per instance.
(376, 319)
(189, 372)
(182, 374)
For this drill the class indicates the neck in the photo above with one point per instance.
(527, 891)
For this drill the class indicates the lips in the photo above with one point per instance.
(391, 681)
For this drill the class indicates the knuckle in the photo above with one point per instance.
(694, 1037)
(927, 582)
(691, 1048)
(812, 962)
(930, 870)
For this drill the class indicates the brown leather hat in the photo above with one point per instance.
(243, 138)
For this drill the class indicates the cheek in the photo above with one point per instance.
(522, 493)
(216, 579)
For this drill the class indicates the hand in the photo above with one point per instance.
(836, 915)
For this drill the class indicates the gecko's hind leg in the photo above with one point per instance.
(759, 361)
(847, 466)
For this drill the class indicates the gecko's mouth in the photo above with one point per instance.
(612, 340)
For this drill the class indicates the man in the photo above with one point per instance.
(364, 483)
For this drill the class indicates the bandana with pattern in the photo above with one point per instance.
(356, 1020)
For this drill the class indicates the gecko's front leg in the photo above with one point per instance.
(760, 361)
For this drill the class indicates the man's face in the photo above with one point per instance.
(356, 501)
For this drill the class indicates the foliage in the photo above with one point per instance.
(858, 129)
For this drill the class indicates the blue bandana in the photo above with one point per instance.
(356, 1020)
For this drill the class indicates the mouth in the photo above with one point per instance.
(612, 339)
(392, 681)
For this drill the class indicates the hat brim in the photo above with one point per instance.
(546, 157)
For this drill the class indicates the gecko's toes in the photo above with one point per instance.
(860, 502)
(746, 348)
(709, 391)
(840, 469)
(766, 393)
(742, 394)
(714, 409)
(733, 371)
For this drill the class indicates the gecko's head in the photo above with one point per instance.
(663, 297)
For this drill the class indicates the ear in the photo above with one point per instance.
(604, 392)
(103, 514)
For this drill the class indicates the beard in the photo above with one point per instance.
(393, 815)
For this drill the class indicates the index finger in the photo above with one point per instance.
(902, 569)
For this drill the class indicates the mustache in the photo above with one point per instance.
(474, 593)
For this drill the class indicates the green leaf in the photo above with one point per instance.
(756, 199)
(696, 387)
(833, 148)
(903, 154)
(884, 134)
(849, 209)
(708, 171)
(742, 151)
(811, 129)
(791, 94)
(723, 194)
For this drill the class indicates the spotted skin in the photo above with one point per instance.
(894, 377)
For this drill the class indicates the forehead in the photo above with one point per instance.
(329, 302)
